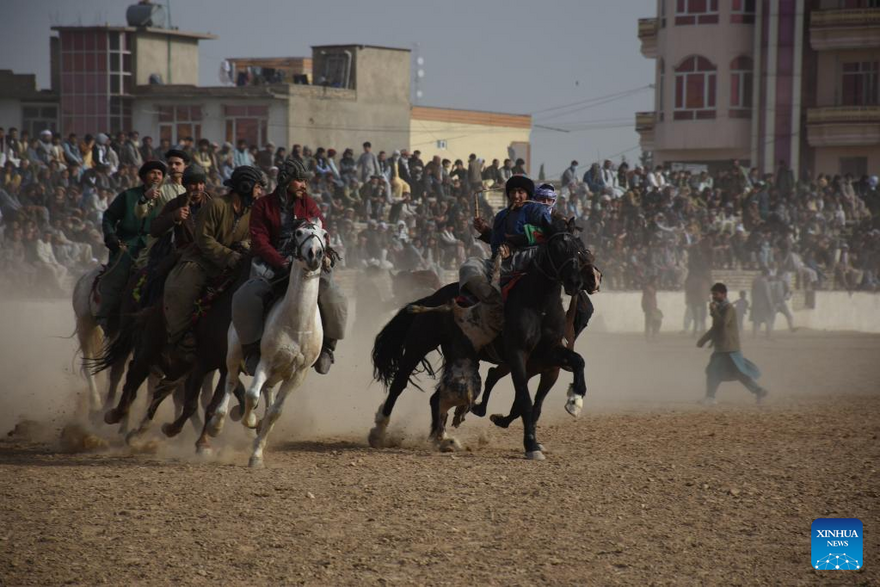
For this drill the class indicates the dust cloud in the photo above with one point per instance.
(42, 384)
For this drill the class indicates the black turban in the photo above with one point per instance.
(151, 165)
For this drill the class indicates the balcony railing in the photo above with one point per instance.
(645, 121)
(843, 114)
(844, 18)
(648, 36)
(842, 30)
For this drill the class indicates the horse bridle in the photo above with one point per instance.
(557, 270)
(296, 254)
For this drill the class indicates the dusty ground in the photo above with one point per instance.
(646, 488)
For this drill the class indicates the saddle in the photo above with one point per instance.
(213, 290)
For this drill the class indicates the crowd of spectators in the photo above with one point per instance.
(823, 230)
(398, 211)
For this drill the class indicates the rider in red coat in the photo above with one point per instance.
(266, 225)
(269, 218)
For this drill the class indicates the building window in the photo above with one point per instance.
(696, 12)
(741, 87)
(39, 117)
(250, 123)
(859, 84)
(84, 81)
(660, 88)
(662, 14)
(441, 144)
(743, 11)
(179, 122)
(695, 89)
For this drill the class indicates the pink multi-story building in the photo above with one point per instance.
(765, 81)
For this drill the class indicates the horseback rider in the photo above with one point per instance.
(174, 230)
(507, 233)
(176, 161)
(271, 223)
(126, 225)
(222, 230)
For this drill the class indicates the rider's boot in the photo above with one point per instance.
(326, 359)
(251, 352)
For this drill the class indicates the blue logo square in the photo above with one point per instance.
(836, 544)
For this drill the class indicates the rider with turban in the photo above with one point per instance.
(222, 231)
(272, 219)
(126, 226)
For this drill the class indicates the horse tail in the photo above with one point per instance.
(389, 347)
(390, 344)
(118, 348)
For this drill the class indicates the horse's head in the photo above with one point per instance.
(306, 245)
(564, 256)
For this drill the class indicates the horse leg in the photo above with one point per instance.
(138, 370)
(545, 384)
(273, 414)
(158, 392)
(207, 390)
(115, 376)
(571, 361)
(410, 361)
(190, 403)
(89, 337)
(523, 403)
(252, 395)
(495, 375)
(203, 444)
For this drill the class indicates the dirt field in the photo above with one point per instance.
(646, 488)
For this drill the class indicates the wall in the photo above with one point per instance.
(10, 114)
(488, 142)
(827, 159)
(151, 56)
(829, 65)
(701, 140)
(622, 312)
(145, 117)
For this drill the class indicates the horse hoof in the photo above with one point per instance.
(376, 438)
(204, 450)
(235, 413)
(215, 425)
(535, 455)
(112, 416)
(449, 445)
(541, 447)
(574, 405)
(499, 421)
(170, 430)
(132, 436)
(479, 410)
(256, 463)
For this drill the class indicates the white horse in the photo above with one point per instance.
(291, 341)
(91, 338)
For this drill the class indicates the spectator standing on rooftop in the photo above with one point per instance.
(506, 171)
(520, 167)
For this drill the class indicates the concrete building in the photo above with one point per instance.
(455, 134)
(764, 81)
(145, 77)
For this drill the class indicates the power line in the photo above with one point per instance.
(589, 100)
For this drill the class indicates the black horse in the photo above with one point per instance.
(534, 326)
(145, 335)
